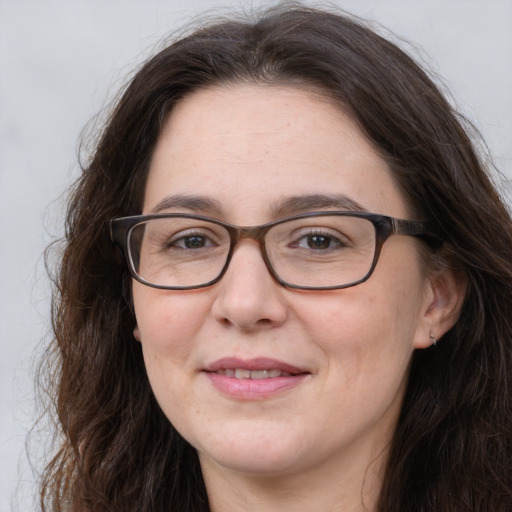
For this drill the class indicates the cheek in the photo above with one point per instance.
(366, 331)
(351, 335)
(168, 322)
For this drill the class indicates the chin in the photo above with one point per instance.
(253, 462)
(256, 454)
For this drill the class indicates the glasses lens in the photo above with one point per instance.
(178, 252)
(324, 251)
(321, 251)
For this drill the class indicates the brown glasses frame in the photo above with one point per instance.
(385, 227)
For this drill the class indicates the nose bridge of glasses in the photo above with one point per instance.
(256, 233)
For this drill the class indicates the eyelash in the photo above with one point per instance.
(312, 232)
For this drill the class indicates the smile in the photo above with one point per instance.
(254, 379)
(242, 373)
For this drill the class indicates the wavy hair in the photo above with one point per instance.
(452, 449)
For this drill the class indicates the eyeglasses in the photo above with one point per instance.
(312, 251)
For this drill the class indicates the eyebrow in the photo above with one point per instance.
(193, 203)
(281, 208)
(311, 202)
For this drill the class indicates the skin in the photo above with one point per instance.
(322, 444)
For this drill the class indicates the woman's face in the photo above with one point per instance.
(238, 153)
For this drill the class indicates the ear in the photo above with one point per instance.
(136, 333)
(444, 297)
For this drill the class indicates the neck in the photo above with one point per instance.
(350, 487)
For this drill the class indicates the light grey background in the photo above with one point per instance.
(60, 61)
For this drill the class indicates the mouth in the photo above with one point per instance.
(256, 369)
(242, 373)
(254, 378)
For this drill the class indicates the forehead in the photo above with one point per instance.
(250, 146)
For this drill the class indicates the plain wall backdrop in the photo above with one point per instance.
(61, 61)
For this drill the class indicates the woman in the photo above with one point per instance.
(313, 311)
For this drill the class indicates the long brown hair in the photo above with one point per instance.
(452, 450)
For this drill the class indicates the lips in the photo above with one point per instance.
(254, 378)
(242, 373)
(253, 366)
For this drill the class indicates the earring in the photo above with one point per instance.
(432, 339)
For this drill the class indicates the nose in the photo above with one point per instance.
(248, 297)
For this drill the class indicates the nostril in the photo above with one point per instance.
(264, 308)
(245, 322)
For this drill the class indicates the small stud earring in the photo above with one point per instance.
(432, 339)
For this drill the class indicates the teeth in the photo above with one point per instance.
(259, 374)
(241, 373)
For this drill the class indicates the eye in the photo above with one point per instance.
(318, 241)
(190, 241)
